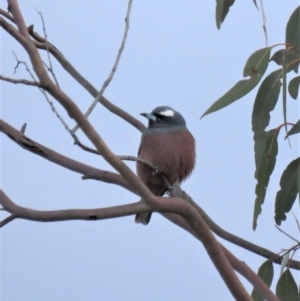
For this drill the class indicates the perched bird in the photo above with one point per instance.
(168, 145)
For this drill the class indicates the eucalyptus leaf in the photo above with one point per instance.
(286, 288)
(265, 102)
(287, 194)
(240, 89)
(222, 10)
(292, 34)
(255, 67)
(266, 273)
(295, 129)
(292, 58)
(257, 63)
(264, 171)
(294, 87)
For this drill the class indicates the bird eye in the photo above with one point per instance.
(160, 116)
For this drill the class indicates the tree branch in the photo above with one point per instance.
(7, 15)
(21, 81)
(236, 264)
(90, 172)
(68, 214)
(227, 235)
(251, 276)
(113, 212)
(114, 69)
(50, 68)
(49, 154)
(199, 227)
(41, 44)
(72, 109)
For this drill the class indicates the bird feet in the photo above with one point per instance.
(155, 171)
(167, 183)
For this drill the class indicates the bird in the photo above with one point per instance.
(168, 145)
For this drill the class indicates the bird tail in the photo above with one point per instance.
(143, 218)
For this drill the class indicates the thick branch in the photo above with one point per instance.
(226, 235)
(113, 212)
(169, 204)
(90, 172)
(68, 214)
(6, 15)
(72, 109)
(49, 154)
(236, 264)
(252, 277)
(40, 43)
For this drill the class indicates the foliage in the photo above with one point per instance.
(265, 141)
(266, 273)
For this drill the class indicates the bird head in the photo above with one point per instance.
(164, 117)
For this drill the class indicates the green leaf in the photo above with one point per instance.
(265, 101)
(254, 1)
(287, 194)
(292, 59)
(294, 87)
(292, 34)
(255, 67)
(240, 89)
(294, 130)
(264, 171)
(257, 63)
(286, 288)
(222, 10)
(266, 273)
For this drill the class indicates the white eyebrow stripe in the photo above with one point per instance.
(169, 113)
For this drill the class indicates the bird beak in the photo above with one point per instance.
(149, 116)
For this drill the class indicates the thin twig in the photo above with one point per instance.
(7, 15)
(38, 149)
(296, 220)
(120, 211)
(44, 93)
(7, 220)
(21, 81)
(23, 128)
(50, 68)
(284, 95)
(39, 42)
(291, 237)
(264, 21)
(113, 70)
(90, 172)
(124, 157)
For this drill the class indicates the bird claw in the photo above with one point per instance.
(168, 185)
(170, 191)
(155, 171)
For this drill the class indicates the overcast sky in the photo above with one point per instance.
(174, 56)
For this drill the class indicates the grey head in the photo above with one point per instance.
(164, 117)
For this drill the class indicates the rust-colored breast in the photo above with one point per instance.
(172, 151)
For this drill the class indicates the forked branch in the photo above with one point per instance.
(90, 172)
